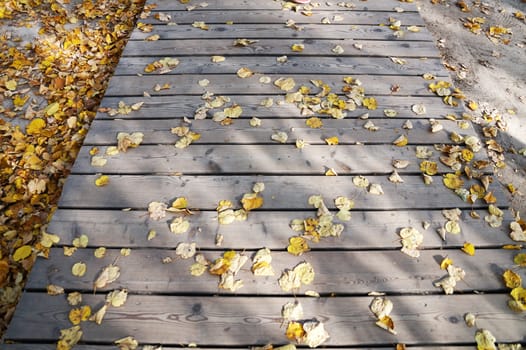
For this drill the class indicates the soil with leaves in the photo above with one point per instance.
(56, 58)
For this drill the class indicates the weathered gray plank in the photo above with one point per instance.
(365, 230)
(388, 5)
(350, 131)
(294, 65)
(175, 107)
(224, 321)
(266, 31)
(280, 17)
(386, 271)
(38, 346)
(271, 159)
(231, 84)
(281, 192)
(278, 47)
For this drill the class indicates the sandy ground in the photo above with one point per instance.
(493, 74)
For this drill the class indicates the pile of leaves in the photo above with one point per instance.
(51, 86)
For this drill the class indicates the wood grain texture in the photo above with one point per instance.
(230, 84)
(358, 272)
(295, 65)
(281, 192)
(176, 107)
(266, 31)
(270, 159)
(388, 5)
(211, 16)
(381, 48)
(349, 131)
(246, 320)
(365, 230)
(36, 346)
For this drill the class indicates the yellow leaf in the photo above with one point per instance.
(473, 105)
(251, 201)
(11, 85)
(331, 172)
(69, 338)
(22, 253)
(244, 72)
(78, 269)
(520, 259)
(469, 248)
(428, 167)
(314, 122)
(445, 263)
(485, 340)
(511, 279)
(35, 126)
(297, 47)
(451, 181)
(295, 331)
(401, 141)
(79, 314)
(332, 140)
(102, 180)
(512, 246)
(52, 109)
(180, 203)
(369, 103)
(386, 323)
(20, 101)
(297, 245)
(217, 59)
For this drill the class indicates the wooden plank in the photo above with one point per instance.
(388, 5)
(38, 346)
(386, 271)
(270, 159)
(175, 107)
(349, 131)
(365, 230)
(280, 17)
(295, 65)
(231, 84)
(278, 47)
(278, 31)
(281, 192)
(226, 321)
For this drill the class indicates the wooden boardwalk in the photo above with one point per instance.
(168, 306)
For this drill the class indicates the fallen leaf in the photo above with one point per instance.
(485, 340)
(117, 298)
(78, 315)
(511, 279)
(185, 250)
(244, 72)
(69, 337)
(179, 225)
(469, 248)
(127, 343)
(78, 269)
(297, 245)
(108, 274)
(22, 253)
